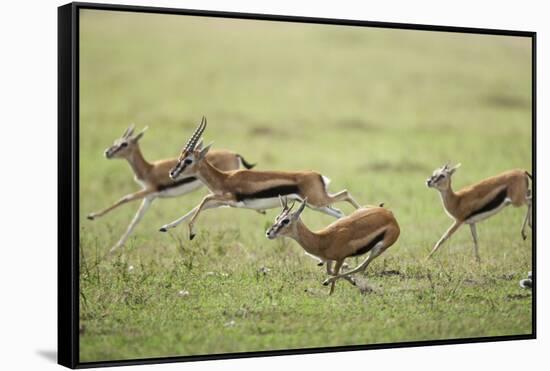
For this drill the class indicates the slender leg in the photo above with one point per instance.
(474, 236)
(180, 220)
(376, 250)
(122, 201)
(445, 237)
(526, 220)
(344, 196)
(329, 211)
(330, 272)
(145, 204)
(337, 267)
(208, 202)
(530, 215)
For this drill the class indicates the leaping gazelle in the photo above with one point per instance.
(250, 189)
(369, 229)
(153, 176)
(481, 200)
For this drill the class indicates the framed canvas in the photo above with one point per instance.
(243, 185)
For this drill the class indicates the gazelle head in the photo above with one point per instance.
(123, 146)
(285, 222)
(191, 154)
(441, 177)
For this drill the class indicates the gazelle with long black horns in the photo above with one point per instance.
(479, 201)
(153, 176)
(367, 230)
(251, 189)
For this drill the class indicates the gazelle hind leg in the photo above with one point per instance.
(329, 211)
(343, 195)
(336, 271)
(526, 220)
(145, 204)
(474, 236)
(376, 251)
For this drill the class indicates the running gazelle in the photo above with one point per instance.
(481, 200)
(367, 230)
(153, 176)
(250, 189)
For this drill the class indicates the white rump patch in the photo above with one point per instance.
(326, 181)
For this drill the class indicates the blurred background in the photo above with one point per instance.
(375, 110)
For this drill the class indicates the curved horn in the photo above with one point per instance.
(302, 207)
(284, 202)
(192, 142)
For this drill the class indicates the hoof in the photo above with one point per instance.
(91, 217)
(353, 282)
(320, 264)
(524, 236)
(191, 236)
(326, 282)
(163, 229)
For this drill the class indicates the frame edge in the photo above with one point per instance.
(67, 260)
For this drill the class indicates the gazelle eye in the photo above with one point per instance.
(124, 144)
(285, 221)
(187, 161)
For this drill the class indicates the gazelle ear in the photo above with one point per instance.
(454, 168)
(204, 151)
(138, 137)
(199, 145)
(129, 131)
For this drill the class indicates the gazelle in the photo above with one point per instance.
(481, 200)
(250, 189)
(153, 176)
(368, 229)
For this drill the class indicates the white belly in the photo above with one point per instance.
(483, 216)
(180, 190)
(263, 203)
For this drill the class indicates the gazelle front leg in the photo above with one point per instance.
(122, 201)
(474, 236)
(445, 237)
(208, 202)
(335, 272)
(145, 204)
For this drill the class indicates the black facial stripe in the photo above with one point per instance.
(492, 204)
(269, 192)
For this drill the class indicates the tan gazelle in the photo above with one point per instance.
(479, 201)
(250, 189)
(153, 176)
(367, 230)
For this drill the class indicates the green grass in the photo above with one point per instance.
(376, 110)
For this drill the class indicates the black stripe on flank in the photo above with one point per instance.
(370, 245)
(269, 192)
(177, 183)
(491, 205)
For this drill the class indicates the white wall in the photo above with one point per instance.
(28, 122)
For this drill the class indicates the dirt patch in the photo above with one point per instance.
(507, 101)
(265, 131)
(517, 296)
(355, 124)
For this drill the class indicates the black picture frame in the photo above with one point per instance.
(68, 180)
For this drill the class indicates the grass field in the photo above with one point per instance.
(376, 110)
